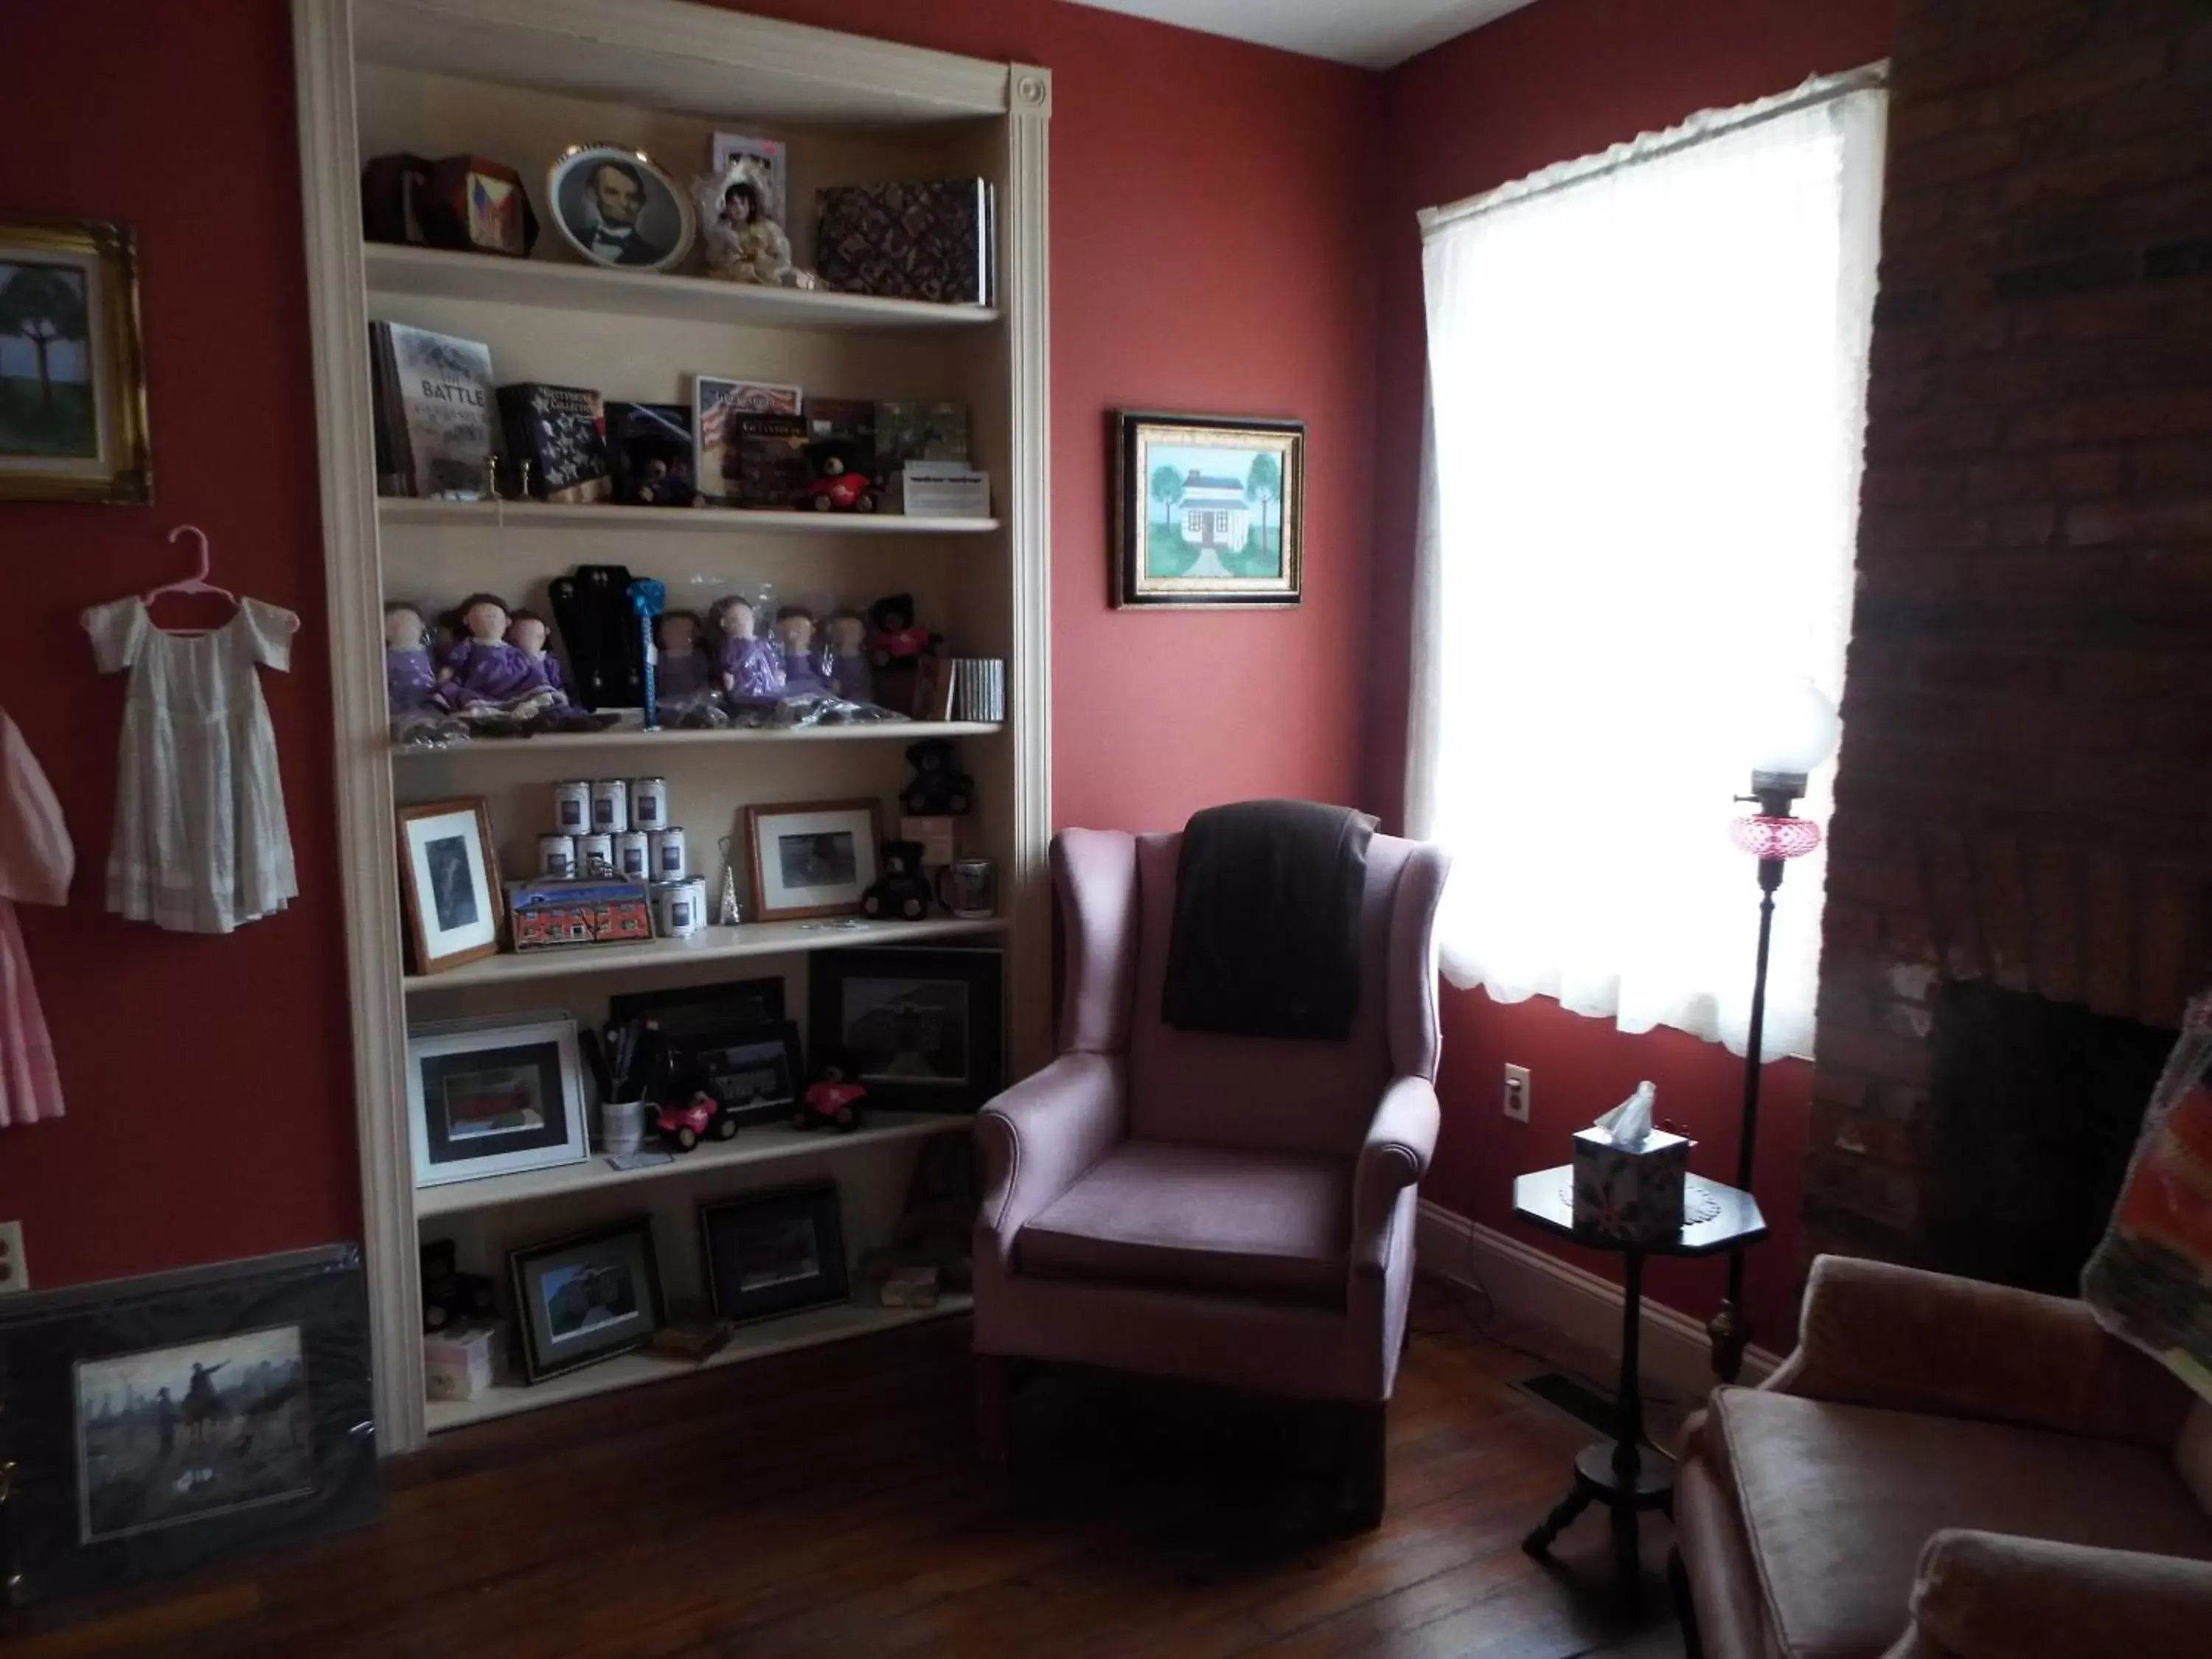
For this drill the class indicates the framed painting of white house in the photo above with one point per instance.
(1208, 510)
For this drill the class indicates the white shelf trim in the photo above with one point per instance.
(713, 521)
(759, 1143)
(637, 737)
(756, 939)
(630, 1370)
(394, 270)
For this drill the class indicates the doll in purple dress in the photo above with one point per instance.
(410, 686)
(850, 677)
(802, 662)
(750, 670)
(527, 632)
(485, 674)
(683, 673)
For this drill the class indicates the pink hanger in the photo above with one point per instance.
(198, 582)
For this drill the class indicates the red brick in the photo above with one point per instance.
(1957, 155)
(2185, 519)
(1989, 669)
(2172, 466)
(1849, 927)
(1863, 1134)
(1881, 1194)
(2112, 420)
(2082, 79)
(2107, 933)
(2169, 915)
(2084, 472)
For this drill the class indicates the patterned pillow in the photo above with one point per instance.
(2150, 1281)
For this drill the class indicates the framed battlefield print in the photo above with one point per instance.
(616, 207)
(72, 364)
(494, 1096)
(919, 1027)
(586, 1297)
(1208, 511)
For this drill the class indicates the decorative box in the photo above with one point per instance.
(461, 1362)
(550, 914)
(944, 490)
(924, 240)
(392, 188)
(561, 430)
(939, 838)
(471, 205)
(910, 1287)
(1632, 1196)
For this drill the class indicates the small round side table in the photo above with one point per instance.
(1612, 1472)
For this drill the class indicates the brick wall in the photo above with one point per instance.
(2025, 783)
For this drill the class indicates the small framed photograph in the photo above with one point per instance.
(586, 1297)
(163, 1424)
(811, 858)
(774, 1252)
(449, 884)
(768, 155)
(616, 207)
(72, 365)
(494, 1096)
(920, 1028)
(1207, 511)
(731, 1039)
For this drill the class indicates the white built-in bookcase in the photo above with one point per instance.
(518, 81)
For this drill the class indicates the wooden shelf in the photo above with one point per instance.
(754, 939)
(804, 1330)
(545, 282)
(637, 737)
(759, 1143)
(602, 517)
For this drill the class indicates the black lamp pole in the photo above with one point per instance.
(1729, 1330)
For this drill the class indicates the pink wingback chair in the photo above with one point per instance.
(1231, 1209)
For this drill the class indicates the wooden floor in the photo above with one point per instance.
(827, 1503)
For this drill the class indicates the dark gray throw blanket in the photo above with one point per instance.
(1267, 921)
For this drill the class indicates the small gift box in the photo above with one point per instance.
(1629, 1177)
(461, 1362)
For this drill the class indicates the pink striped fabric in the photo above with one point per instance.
(36, 862)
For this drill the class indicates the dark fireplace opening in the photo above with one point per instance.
(2033, 1110)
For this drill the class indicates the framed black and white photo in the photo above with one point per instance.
(919, 1028)
(774, 1252)
(160, 1424)
(449, 884)
(616, 207)
(493, 1096)
(811, 858)
(586, 1298)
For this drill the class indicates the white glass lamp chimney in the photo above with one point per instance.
(1792, 730)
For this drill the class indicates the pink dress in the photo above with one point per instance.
(36, 863)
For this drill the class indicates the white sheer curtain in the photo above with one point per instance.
(1647, 380)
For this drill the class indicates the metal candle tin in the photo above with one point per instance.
(610, 805)
(679, 907)
(670, 858)
(557, 857)
(633, 854)
(595, 855)
(572, 806)
(648, 803)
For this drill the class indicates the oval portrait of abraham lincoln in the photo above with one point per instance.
(616, 208)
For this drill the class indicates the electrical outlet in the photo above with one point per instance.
(15, 1272)
(1517, 1093)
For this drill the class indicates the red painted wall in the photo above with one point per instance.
(1194, 264)
(1564, 78)
(209, 1080)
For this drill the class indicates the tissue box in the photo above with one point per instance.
(1632, 1196)
(461, 1362)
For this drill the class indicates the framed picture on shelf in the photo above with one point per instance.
(616, 207)
(72, 365)
(494, 1096)
(767, 155)
(731, 1039)
(718, 405)
(1207, 511)
(449, 884)
(811, 858)
(920, 1028)
(161, 1424)
(774, 1252)
(586, 1298)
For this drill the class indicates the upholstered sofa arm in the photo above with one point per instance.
(1988, 1595)
(1400, 1139)
(1876, 1335)
(1038, 1139)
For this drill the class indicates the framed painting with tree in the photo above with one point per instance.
(72, 367)
(1208, 510)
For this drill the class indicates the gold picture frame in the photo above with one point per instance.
(1209, 511)
(72, 364)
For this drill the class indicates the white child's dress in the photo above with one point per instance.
(201, 844)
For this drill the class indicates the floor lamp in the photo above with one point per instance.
(1796, 734)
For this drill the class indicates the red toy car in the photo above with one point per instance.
(838, 490)
(684, 1125)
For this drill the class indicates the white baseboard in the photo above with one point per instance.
(1527, 1286)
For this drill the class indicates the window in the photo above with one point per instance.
(1647, 401)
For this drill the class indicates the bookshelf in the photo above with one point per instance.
(518, 81)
